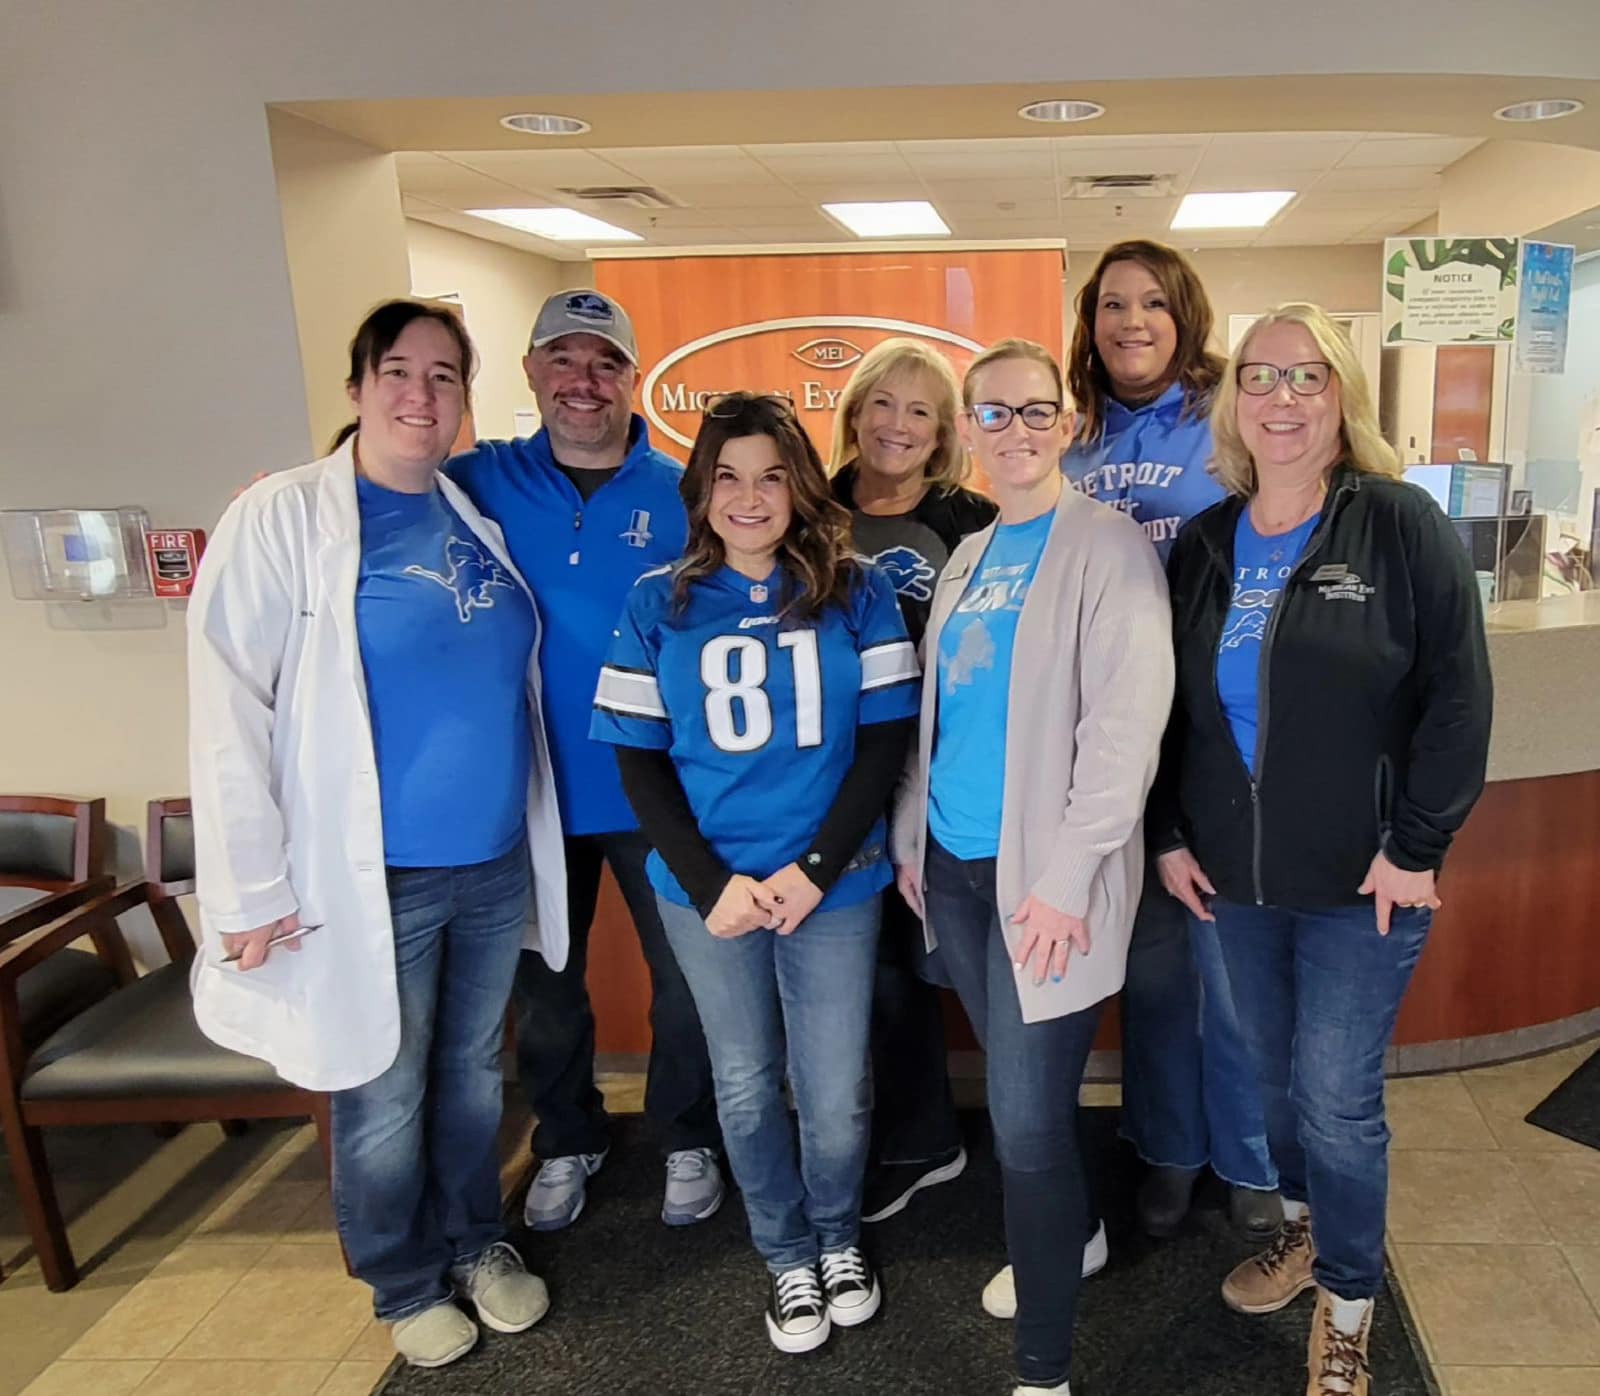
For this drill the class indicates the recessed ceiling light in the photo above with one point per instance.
(1546, 109)
(557, 224)
(537, 123)
(903, 218)
(1254, 209)
(1063, 109)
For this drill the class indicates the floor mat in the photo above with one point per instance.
(639, 1309)
(1572, 1110)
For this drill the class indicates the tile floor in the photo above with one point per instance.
(1494, 1230)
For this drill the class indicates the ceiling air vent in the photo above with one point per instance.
(1121, 186)
(633, 195)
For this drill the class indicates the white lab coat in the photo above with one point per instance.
(284, 784)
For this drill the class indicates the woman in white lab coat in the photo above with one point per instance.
(369, 776)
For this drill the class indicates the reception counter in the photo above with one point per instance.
(1513, 963)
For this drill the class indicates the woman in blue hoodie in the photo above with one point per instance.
(1142, 376)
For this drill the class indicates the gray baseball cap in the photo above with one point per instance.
(584, 312)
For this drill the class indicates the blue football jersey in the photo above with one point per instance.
(759, 714)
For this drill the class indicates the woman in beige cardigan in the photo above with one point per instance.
(1047, 680)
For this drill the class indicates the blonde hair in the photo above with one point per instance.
(1014, 349)
(948, 465)
(1361, 438)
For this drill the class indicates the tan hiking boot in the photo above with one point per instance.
(1336, 1362)
(1266, 1282)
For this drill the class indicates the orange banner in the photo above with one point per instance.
(797, 325)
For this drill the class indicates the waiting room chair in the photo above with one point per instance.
(135, 1057)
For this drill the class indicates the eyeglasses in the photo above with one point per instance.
(1304, 380)
(996, 416)
(726, 405)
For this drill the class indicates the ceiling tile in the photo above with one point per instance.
(718, 164)
(819, 150)
(1437, 151)
(542, 168)
(976, 160)
(765, 194)
(1423, 178)
(813, 169)
(1160, 156)
(972, 191)
(848, 189)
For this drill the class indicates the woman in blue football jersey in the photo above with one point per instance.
(369, 772)
(1018, 835)
(760, 694)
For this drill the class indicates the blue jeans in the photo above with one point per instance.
(416, 1182)
(555, 1022)
(1189, 1090)
(1318, 993)
(808, 997)
(1033, 1074)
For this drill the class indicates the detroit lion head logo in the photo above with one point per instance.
(473, 574)
(909, 573)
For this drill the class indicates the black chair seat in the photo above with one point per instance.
(141, 1041)
(59, 989)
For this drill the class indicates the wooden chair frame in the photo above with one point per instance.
(95, 915)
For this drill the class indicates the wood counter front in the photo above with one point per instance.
(1516, 944)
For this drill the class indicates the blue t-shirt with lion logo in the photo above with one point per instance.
(445, 635)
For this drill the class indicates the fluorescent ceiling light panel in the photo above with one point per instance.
(905, 218)
(557, 224)
(1254, 209)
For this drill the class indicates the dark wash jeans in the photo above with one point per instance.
(1189, 1092)
(1033, 1074)
(416, 1181)
(1318, 993)
(555, 1023)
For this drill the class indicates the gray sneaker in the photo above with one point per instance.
(556, 1198)
(694, 1187)
(508, 1299)
(434, 1337)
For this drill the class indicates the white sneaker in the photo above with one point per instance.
(497, 1284)
(1063, 1390)
(1000, 1294)
(435, 1337)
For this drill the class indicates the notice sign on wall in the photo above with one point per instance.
(1449, 290)
(798, 325)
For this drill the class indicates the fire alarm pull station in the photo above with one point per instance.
(174, 554)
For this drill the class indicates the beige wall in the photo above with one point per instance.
(1249, 281)
(345, 239)
(501, 290)
(1508, 188)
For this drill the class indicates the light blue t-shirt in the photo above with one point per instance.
(966, 779)
(1260, 568)
(445, 634)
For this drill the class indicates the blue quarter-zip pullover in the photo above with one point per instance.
(581, 560)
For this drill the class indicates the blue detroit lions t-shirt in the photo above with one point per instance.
(445, 634)
(966, 779)
(759, 714)
(1260, 568)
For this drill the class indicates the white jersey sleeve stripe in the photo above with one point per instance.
(883, 665)
(630, 692)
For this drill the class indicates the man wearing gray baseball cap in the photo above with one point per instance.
(587, 506)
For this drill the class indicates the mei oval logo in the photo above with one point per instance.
(828, 353)
(762, 355)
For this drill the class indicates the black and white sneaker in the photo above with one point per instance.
(797, 1316)
(890, 1186)
(851, 1287)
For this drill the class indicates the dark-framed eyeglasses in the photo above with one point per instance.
(1309, 379)
(996, 416)
(726, 405)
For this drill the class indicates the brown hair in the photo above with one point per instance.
(948, 466)
(1013, 349)
(1194, 363)
(818, 563)
(1364, 447)
(387, 322)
